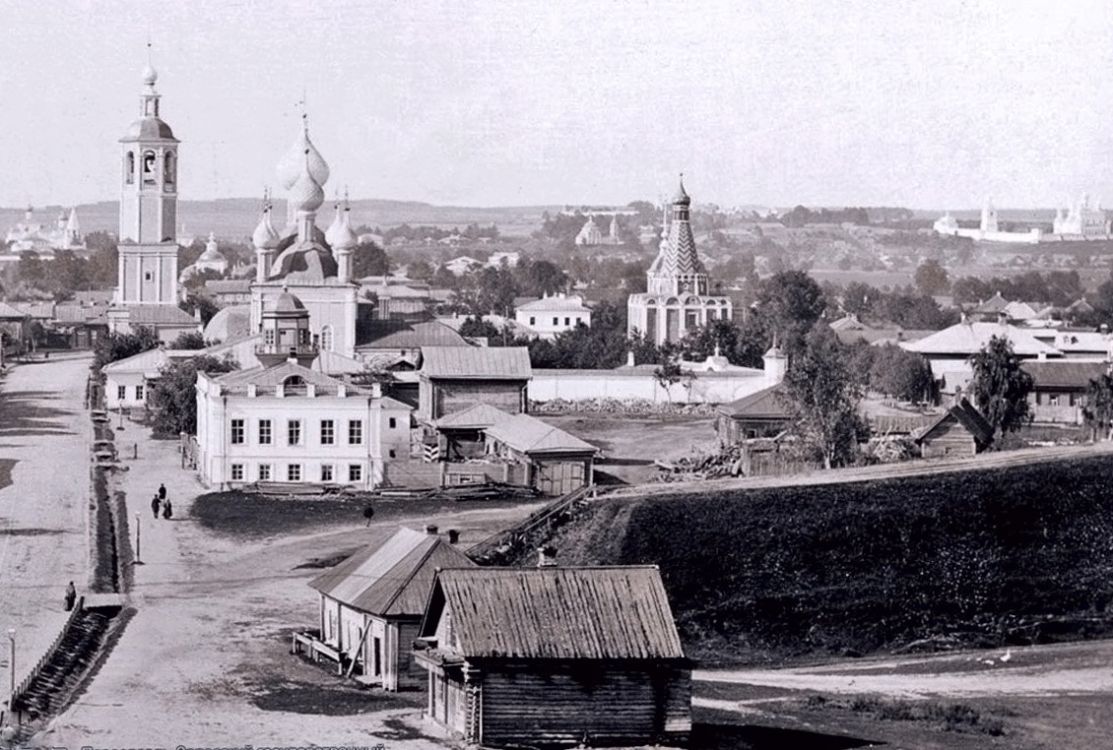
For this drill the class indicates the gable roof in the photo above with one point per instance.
(768, 403)
(461, 362)
(392, 578)
(993, 305)
(530, 435)
(7, 311)
(965, 339)
(570, 303)
(558, 613)
(156, 314)
(475, 417)
(970, 418)
(148, 362)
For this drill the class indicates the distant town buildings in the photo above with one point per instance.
(31, 236)
(1078, 222)
(678, 296)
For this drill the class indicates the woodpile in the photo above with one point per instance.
(625, 407)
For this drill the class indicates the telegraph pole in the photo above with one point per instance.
(11, 674)
(138, 527)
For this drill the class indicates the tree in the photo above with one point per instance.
(116, 346)
(540, 277)
(901, 374)
(718, 335)
(195, 301)
(173, 396)
(368, 259)
(668, 374)
(931, 278)
(188, 340)
(420, 270)
(1000, 386)
(823, 396)
(792, 302)
(1098, 411)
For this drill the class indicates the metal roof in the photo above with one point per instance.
(1064, 373)
(154, 313)
(530, 435)
(768, 403)
(558, 613)
(391, 578)
(8, 312)
(965, 339)
(270, 377)
(397, 334)
(489, 362)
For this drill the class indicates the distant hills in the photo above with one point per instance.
(235, 218)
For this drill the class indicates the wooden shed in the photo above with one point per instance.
(371, 605)
(453, 378)
(959, 431)
(555, 657)
(761, 414)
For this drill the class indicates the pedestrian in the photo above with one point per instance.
(155, 505)
(162, 492)
(71, 596)
(167, 510)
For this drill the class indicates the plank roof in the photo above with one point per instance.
(476, 362)
(768, 403)
(970, 418)
(8, 312)
(559, 613)
(393, 577)
(530, 435)
(1068, 374)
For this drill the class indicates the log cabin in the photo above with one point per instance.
(555, 657)
(371, 605)
(959, 431)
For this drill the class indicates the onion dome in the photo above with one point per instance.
(345, 239)
(332, 234)
(150, 75)
(306, 194)
(211, 251)
(265, 237)
(681, 196)
(290, 166)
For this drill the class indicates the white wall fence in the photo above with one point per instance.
(702, 388)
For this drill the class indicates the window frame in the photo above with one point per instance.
(293, 430)
(269, 434)
(291, 470)
(329, 437)
(355, 432)
(237, 472)
(237, 434)
(355, 472)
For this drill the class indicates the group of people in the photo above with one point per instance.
(161, 503)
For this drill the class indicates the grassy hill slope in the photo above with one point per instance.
(985, 557)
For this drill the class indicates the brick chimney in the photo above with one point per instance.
(431, 529)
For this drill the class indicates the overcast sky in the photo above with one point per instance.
(922, 104)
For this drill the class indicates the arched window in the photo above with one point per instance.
(149, 167)
(129, 168)
(168, 168)
(326, 339)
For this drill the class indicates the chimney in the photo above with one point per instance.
(546, 556)
(630, 358)
(453, 536)
(431, 529)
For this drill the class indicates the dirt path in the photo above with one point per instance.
(205, 660)
(1047, 670)
(44, 433)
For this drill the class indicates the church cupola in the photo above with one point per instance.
(286, 333)
(265, 239)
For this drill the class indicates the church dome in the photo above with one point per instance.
(306, 193)
(288, 303)
(332, 234)
(345, 238)
(150, 75)
(265, 237)
(290, 166)
(212, 253)
(681, 196)
(148, 129)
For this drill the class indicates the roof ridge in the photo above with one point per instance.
(398, 589)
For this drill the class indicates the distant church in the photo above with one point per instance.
(590, 234)
(147, 269)
(30, 236)
(677, 297)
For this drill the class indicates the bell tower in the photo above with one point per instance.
(147, 272)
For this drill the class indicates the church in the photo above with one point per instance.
(677, 297)
(147, 268)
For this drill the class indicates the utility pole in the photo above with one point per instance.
(11, 674)
(138, 527)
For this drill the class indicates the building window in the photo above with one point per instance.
(121, 392)
(355, 473)
(264, 432)
(355, 432)
(567, 321)
(392, 423)
(326, 472)
(147, 276)
(326, 339)
(129, 170)
(268, 337)
(328, 436)
(293, 473)
(237, 432)
(1072, 399)
(532, 320)
(556, 321)
(149, 159)
(237, 472)
(168, 168)
(293, 432)
(138, 393)
(1039, 398)
(1053, 399)
(392, 453)
(264, 472)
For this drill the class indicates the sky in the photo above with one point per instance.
(935, 104)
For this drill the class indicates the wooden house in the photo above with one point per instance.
(761, 414)
(553, 657)
(371, 605)
(959, 431)
(1059, 388)
(555, 462)
(453, 378)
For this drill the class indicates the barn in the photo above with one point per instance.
(555, 657)
(959, 431)
(371, 605)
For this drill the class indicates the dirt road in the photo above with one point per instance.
(44, 435)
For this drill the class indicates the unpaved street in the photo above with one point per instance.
(44, 438)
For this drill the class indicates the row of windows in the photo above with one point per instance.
(1056, 399)
(295, 434)
(556, 321)
(122, 392)
(294, 473)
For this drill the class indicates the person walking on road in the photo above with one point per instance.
(167, 510)
(71, 596)
(155, 505)
(162, 492)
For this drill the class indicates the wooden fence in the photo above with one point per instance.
(21, 689)
(517, 538)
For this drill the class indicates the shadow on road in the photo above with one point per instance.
(23, 414)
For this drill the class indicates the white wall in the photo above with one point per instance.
(128, 381)
(704, 388)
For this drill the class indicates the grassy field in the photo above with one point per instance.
(979, 558)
